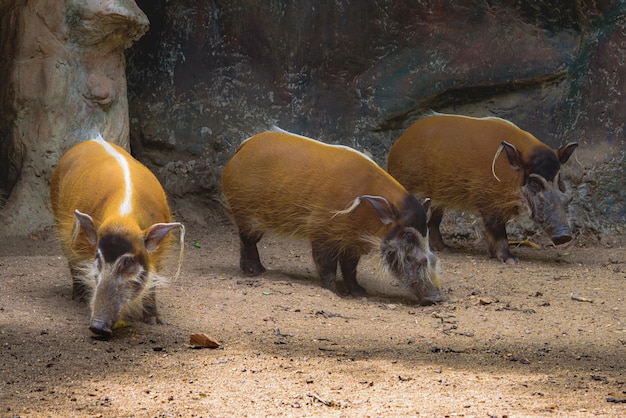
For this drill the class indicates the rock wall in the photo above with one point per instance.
(64, 81)
(209, 74)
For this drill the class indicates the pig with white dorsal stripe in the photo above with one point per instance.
(113, 220)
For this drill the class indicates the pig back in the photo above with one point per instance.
(91, 180)
(293, 185)
(449, 159)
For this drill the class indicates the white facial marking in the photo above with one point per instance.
(125, 207)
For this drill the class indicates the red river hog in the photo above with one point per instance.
(457, 162)
(113, 220)
(334, 197)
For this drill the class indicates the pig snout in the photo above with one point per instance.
(562, 236)
(549, 208)
(425, 285)
(557, 226)
(101, 327)
(431, 298)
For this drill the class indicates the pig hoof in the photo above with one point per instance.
(507, 258)
(150, 320)
(332, 286)
(511, 260)
(357, 291)
(154, 320)
(252, 268)
(101, 331)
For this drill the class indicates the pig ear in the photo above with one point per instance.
(514, 156)
(86, 223)
(426, 203)
(566, 151)
(156, 233)
(386, 211)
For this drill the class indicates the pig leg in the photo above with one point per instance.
(249, 261)
(495, 228)
(79, 288)
(150, 314)
(348, 263)
(435, 239)
(326, 264)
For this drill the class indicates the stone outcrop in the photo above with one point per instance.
(64, 81)
(207, 75)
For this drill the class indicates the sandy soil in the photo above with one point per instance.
(546, 337)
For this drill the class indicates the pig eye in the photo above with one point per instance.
(535, 185)
(408, 236)
(127, 262)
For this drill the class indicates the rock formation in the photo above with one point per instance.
(209, 74)
(64, 81)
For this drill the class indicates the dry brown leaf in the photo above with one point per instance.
(202, 341)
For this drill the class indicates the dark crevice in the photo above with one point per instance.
(457, 96)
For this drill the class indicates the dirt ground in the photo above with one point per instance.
(546, 337)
